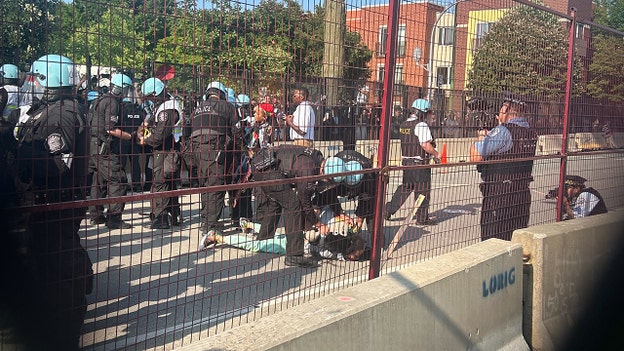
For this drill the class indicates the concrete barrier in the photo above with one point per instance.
(457, 149)
(329, 148)
(470, 299)
(589, 141)
(565, 261)
(370, 148)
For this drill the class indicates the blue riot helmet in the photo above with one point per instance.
(353, 179)
(421, 105)
(92, 95)
(231, 95)
(56, 75)
(55, 71)
(216, 88)
(9, 74)
(334, 165)
(119, 84)
(152, 87)
(243, 100)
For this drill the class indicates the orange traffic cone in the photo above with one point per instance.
(443, 159)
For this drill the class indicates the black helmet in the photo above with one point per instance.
(513, 98)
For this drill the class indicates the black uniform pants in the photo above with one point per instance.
(417, 181)
(211, 172)
(63, 276)
(240, 200)
(506, 207)
(109, 179)
(164, 182)
(275, 201)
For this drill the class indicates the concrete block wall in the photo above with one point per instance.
(470, 299)
(565, 262)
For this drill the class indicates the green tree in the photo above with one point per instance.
(606, 76)
(110, 41)
(25, 24)
(524, 52)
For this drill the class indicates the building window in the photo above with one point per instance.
(381, 43)
(398, 74)
(443, 76)
(578, 33)
(446, 35)
(401, 41)
(482, 29)
(380, 73)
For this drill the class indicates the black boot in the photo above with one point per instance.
(115, 222)
(100, 219)
(301, 261)
(161, 222)
(176, 217)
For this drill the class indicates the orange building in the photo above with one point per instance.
(416, 22)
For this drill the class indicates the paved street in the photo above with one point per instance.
(153, 287)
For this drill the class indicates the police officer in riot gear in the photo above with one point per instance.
(9, 89)
(505, 186)
(294, 204)
(417, 148)
(159, 134)
(52, 162)
(133, 116)
(109, 178)
(214, 136)
(360, 186)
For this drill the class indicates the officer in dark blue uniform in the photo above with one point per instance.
(360, 186)
(133, 116)
(52, 158)
(505, 186)
(109, 178)
(417, 148)
(167, 112)
(214, 138)
(294, 204)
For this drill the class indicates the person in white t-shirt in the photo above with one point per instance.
(302, 121)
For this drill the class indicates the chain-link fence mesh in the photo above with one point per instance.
(155, 286)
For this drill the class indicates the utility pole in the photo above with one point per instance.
(334, 53)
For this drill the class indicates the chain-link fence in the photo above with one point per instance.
(159, 173)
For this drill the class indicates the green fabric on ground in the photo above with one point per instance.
(277, 245)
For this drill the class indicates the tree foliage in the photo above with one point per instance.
(265, 44)
(25, 28)
(524, 52)
(606, 75)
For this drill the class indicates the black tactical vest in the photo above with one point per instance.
(524, 144)
(600, 207)
(287, 156)
(410, 145)
(215, 116)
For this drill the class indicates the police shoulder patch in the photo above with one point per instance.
(162, 116)
(493, 132)
(55, 143)
(114, 119)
